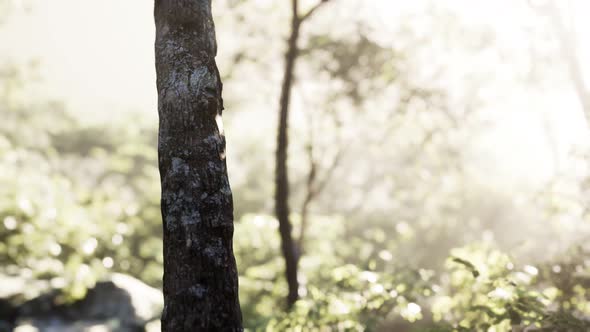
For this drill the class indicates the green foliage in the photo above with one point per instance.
(487, 292)
(79, 200)
(75, 201)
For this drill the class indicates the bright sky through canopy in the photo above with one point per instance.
(92, 51)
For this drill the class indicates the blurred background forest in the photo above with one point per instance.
(439, 157)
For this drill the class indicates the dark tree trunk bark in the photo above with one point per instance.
(282, 181)
(200, 274)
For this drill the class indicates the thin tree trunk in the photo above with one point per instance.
(570, 53)
(569, 50)
(200, 274)
(288, 245)
(282, 181)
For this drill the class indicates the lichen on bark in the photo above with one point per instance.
(200, 274)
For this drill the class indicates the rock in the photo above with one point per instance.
(66, 326)
(120, 304)
(154, 326)
(147, 301)
(14, 291)
(26, 328)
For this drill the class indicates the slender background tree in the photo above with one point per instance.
(288, 245)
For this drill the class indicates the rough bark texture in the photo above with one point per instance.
(282, 181)
(200, 275)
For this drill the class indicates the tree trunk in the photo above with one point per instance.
(200, 274)
(282, 180)
(570, 53)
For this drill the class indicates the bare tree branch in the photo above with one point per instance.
(314, 187)
(312, 10)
